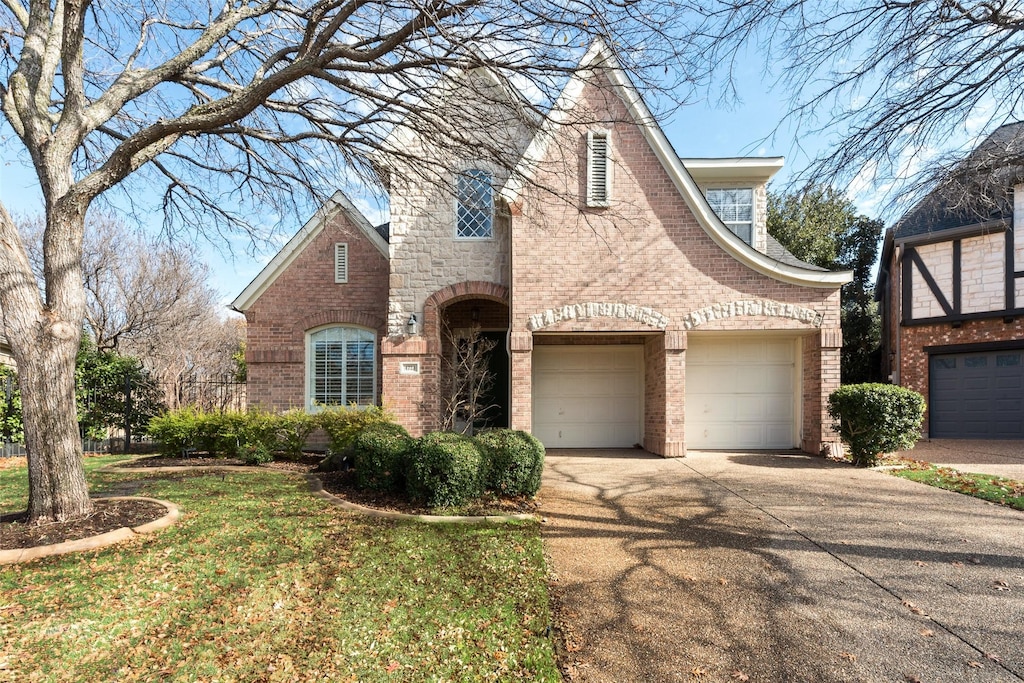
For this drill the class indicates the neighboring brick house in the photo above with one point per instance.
(951, 287)
(624, 309)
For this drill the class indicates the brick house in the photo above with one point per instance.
(951, 290)
(634, 297)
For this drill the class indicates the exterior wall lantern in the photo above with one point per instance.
(410, 326)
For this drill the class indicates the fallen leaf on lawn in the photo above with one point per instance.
(573, 646)
(927, 633)
(392, 667)
(994, 657)
(848, 657)
(919, 563)
(698, 671)
(976, 665)
(1000, 585)
(739, 676)
(723, 581)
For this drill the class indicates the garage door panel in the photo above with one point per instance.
(976, 395)
(587, 396)
(740, 393)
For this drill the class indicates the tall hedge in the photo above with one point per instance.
(445, 470)
(873, 419)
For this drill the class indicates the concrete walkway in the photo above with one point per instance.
(776, 568)
(1005, 458)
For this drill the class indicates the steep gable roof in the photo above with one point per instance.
(291, 250)
(979, 191)
(599, 56)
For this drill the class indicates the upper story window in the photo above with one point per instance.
(475, 210)
(599, 168)
(341, 367)
(735, 206)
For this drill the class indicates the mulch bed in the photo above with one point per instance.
(343, 485)
(108, 515)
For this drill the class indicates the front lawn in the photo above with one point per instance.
(261, 581)
(988, 487)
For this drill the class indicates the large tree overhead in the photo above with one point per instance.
(892, 84)
(244, 109)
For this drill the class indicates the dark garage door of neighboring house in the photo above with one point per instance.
(977, 395)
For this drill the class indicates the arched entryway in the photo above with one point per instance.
(466, 325)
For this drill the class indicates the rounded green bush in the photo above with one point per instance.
(515, 461)
(445, 470)
(873, 419)
(380, 453)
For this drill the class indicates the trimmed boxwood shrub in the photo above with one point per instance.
(380, 453)
(445, 470)
(515, 461)
(873, 419)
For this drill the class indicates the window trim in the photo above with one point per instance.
(308, 369)
(729, 224)
(606, 135)
(341, 258)
(458, 202)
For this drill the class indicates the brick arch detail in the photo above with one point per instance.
(340, 316)
(470, 289)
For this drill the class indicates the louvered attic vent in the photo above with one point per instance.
(599, 168)
(341, 262)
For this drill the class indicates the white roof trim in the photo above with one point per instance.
(760, 169)
(600, 55)
(291, 250)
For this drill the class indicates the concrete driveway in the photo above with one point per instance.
(777, 567)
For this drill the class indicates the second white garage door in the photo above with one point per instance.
(587, 396)
(740, 392)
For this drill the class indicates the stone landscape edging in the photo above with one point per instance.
(19, 555)
(317, 488)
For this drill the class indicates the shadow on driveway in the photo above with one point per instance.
(779, 567)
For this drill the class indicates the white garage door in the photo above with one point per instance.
(740, 392)
(587, 396)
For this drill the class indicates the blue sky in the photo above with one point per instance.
(701, 129)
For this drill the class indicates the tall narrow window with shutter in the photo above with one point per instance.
(599, 168)
(341, 263)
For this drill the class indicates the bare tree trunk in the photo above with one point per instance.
(46, 375)
(44, 337)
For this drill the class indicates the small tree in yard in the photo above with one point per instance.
(873, 419)
(466, 381)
